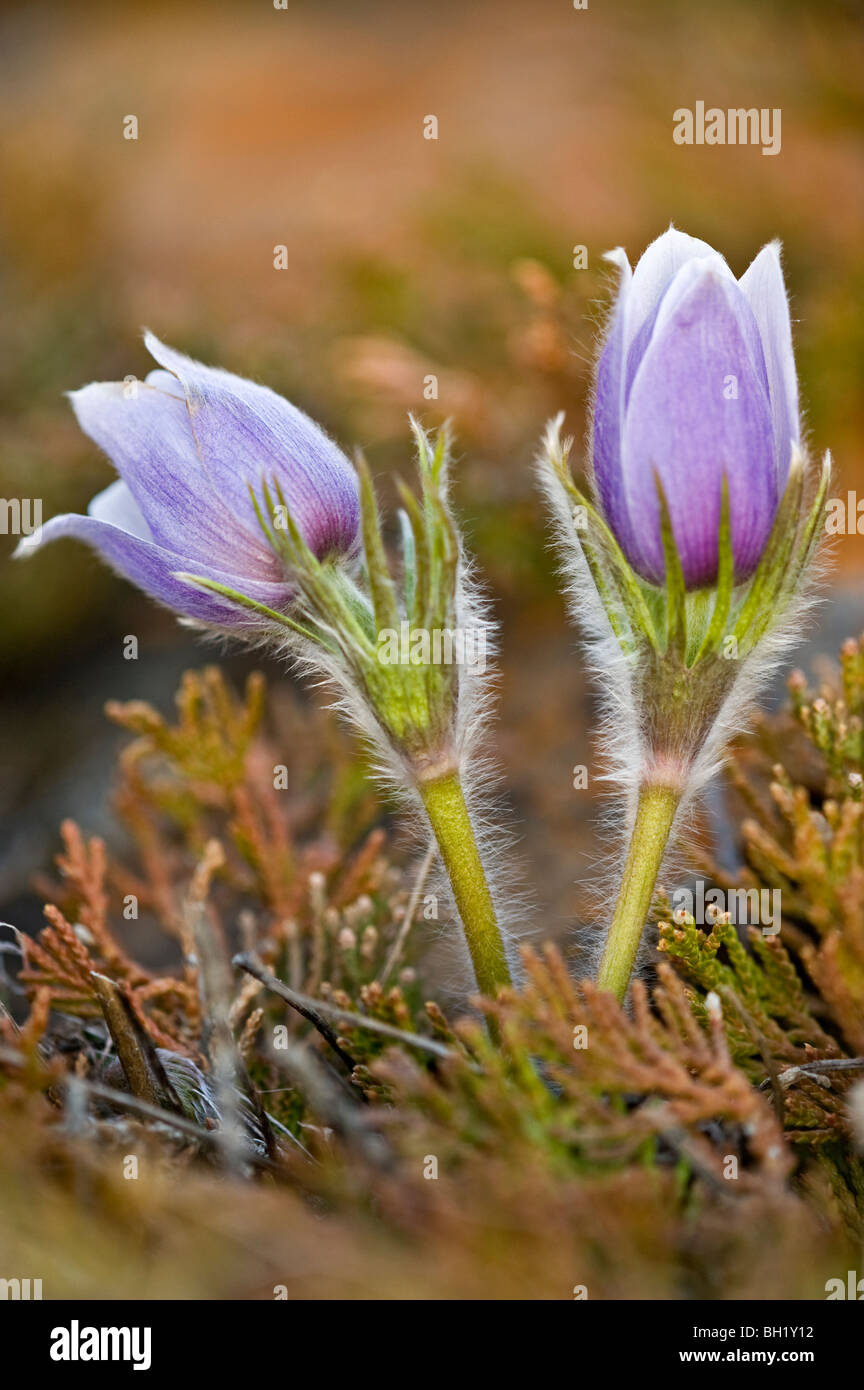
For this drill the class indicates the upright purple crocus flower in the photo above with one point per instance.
(188, 443)
(696, 385)
(696, 380)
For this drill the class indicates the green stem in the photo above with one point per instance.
(448, 815)
(654, 817)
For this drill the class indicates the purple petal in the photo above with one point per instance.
(763, 287)
(245, 432)
(654, 273)
(153, 568)
(680, 423)
(116, 505)
(691, 277)
(147, 435)
(609, 413)
(640, 296)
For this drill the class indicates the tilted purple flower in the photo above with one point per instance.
(696, 381)
(188, 443)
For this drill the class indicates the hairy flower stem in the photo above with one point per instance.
(654, 817)
(448, 815)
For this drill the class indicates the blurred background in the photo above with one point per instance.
(406, 257)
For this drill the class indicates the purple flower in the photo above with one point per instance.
(696, 380)
(188, 443)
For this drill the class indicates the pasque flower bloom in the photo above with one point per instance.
(191, 445)
(696, 380)
(236, 511)
(689, 566)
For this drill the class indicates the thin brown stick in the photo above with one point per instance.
(137, 1053)
(315, 1010)
(311, 1009)
(788, 1077)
